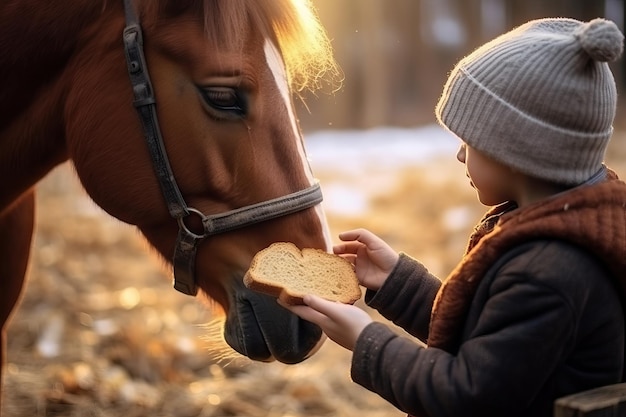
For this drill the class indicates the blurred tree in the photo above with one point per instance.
(396, 54)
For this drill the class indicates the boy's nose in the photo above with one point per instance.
(460, 155)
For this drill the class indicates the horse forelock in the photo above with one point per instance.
(293, 24)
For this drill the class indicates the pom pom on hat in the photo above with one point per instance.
(540, 98)
(601, 39)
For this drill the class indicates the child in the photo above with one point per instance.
(533, 311)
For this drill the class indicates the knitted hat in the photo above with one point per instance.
(540, 98)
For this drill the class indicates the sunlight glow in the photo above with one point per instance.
(306, 50)
(129, 298)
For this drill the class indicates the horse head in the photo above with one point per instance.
(222, 74)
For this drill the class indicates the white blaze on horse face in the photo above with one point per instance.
(277, 67)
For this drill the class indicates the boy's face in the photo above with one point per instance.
(493, 181)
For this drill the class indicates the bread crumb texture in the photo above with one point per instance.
(282, 270)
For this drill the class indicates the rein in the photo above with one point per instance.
(187, 241)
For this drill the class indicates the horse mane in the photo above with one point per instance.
(293, 24)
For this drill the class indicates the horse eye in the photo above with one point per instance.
(225, 102)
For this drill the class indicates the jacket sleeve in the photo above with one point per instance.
(527, 325)
(406, 298)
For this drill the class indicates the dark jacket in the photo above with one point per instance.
(532, 313)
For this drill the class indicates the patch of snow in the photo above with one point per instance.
(366, 162)
(382, 148)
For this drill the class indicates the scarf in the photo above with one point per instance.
(592, 216)
(589, 216)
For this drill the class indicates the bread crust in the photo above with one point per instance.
(306, 271)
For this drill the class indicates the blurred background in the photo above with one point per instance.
(100, 331)
(396, 54)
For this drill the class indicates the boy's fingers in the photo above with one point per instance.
(325, 307)
(316, 309)
(349, 257)
(363, 236)
(348, 247)
(304, 311)
(349, 234)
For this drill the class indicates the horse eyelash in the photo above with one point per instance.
(240, 108)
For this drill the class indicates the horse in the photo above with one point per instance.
(178, 117)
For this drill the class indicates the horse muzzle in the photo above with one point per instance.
(257, 327)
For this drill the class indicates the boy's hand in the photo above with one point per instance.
(343, 323)
(373, 259)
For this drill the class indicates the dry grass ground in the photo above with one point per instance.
(100, 332)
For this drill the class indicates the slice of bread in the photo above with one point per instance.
(282, 270)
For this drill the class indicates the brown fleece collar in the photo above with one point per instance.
(593, 217)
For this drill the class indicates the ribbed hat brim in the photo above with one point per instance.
(535, 100)
(527, 144)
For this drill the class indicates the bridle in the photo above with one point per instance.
(187, 241)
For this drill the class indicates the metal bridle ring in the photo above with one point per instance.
(183, 226)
